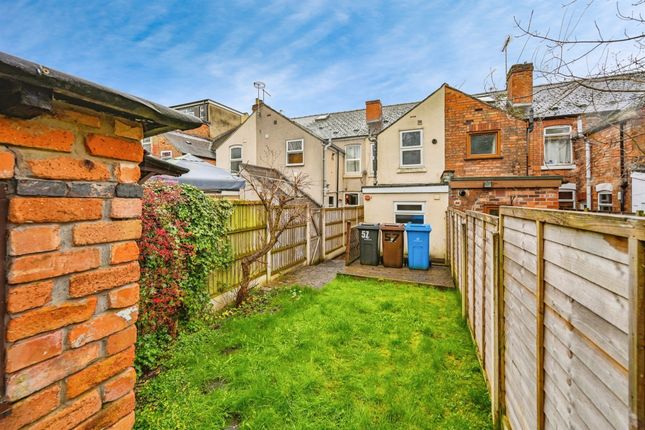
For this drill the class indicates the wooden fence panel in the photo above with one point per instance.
(568, 350)
(248, 231)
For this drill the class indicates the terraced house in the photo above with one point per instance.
(573, 145)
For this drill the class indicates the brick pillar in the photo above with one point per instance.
(72, 292)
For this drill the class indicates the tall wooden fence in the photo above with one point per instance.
(555, 304)
(248, 231)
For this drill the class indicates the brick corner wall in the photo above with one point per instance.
(72, 268)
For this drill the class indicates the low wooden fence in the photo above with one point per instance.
(248, 231)
(555, 304)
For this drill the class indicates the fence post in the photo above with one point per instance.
(308, 235)
(323, 233)
(343, 224)
(501, 338)
(496, 330)
(268, 256)
(637, 334)
(464, 270)
(539, 320)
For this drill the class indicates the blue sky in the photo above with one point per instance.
(314, 55)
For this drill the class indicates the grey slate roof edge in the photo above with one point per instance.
(154, 117)
(305, 129)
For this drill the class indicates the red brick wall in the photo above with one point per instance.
(160, 143)
(605, 159)
(73, 268)
(483, 199)
(465, 114)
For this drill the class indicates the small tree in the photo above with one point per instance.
(279, 196)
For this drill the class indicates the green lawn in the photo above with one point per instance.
(354, 355)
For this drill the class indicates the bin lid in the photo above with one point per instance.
(364, 226)
(418, 227)
(392, 227)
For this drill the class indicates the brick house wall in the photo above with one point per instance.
(484, 200)
(465, 115)
(159, 143)
(72, 293)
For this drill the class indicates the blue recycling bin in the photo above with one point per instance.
(418, 245)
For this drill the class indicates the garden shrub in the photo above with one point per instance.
(184, 238)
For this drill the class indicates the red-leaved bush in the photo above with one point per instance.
(183, 240)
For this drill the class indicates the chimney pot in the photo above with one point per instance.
(519, 84)
(373, 111)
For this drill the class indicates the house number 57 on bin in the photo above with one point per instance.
(365, 235)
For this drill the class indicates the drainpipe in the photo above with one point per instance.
(324, 168)
(337, 176)
(374, 140)
(587, 163)
(623, 179)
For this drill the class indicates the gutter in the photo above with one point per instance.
(32, 87)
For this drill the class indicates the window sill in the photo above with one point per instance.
(416, 169)
(352, 175)
(560, 167)
(492, 157)
(295, 165)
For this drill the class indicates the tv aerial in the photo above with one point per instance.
(261, 86)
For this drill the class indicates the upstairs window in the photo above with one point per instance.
(200, 111)
(411, 148)
(409, 212)
(372, 158)
(236, 158)
(483, 145)
(353, 159)
(295, 152)
(557, 146)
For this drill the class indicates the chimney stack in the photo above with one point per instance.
(257, 104)
(519, 84)
(373, 111)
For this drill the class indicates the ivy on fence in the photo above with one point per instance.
(184, 239)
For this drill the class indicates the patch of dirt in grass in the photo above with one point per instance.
(230, 349)
(234, 423)
(213, 384)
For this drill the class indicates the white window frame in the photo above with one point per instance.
(360, 150)
(372, 158)
(287, 152)
(358, 199)
(568, 188)
(231, 159)
(568, 134)
(403, 149)
(610, 206)
(331, 204)
(146, 143)
(421, 212)
(165, 155)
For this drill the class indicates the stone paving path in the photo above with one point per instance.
(312, 276)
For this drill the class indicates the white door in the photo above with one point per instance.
(638, 191)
